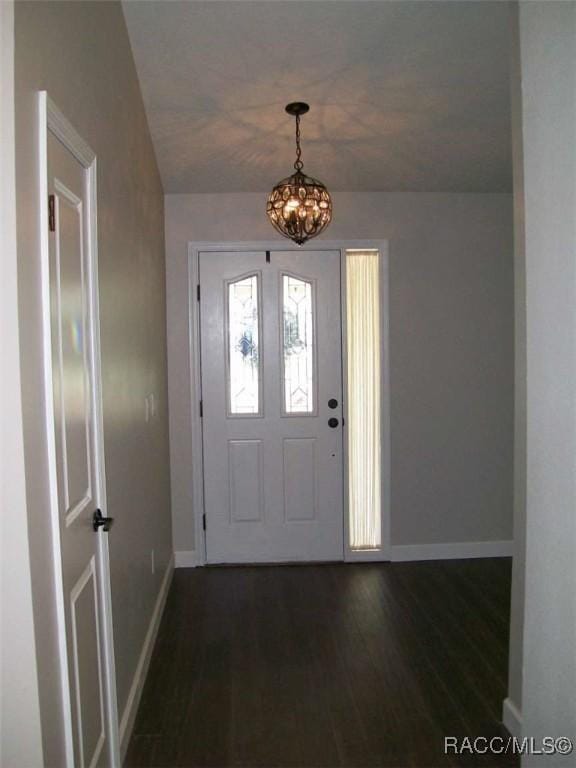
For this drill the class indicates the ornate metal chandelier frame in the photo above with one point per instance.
(299, 206)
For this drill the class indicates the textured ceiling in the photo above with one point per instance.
(404, 95)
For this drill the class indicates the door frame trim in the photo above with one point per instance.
(194, 249)
(52, 120)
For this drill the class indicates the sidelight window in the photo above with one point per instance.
(363, 369)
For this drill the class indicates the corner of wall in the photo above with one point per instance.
(512, 718)
(516, 652)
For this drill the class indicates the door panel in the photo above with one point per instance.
(299, 473)
(73, 383)
(72, 408)
(87, 665)
(245, 479)
(271, 361)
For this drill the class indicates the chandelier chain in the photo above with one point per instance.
(298, 165)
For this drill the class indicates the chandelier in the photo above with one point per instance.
(299, 207)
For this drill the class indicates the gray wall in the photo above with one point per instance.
(547, 35)
(20, 732)
(80, 53)
(451, 342)
(518, 563)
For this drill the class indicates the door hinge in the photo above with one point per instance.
(201, 408)
(51, 213)
(267, 257)
(198, 292)
(204, 521)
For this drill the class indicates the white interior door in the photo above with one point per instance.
(73, 330)
(272, 405)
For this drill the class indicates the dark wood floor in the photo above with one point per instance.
(329, 665)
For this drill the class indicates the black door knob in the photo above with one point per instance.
(99, 521)
(332, 403)
(333, 422)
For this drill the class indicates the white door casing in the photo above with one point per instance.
(75, 440)
(273, 485)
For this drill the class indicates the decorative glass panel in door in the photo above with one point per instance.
(298, 358)
(243, 328)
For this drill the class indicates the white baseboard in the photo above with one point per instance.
(400, 552)
(187, 559)
(129, 714)
(451, 551)
(512, 718)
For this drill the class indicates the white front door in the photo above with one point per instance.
(272, 405)
(73, 337)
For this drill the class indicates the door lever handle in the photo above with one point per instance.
(99, 521)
